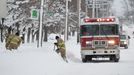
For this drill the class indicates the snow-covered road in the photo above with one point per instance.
(30, 60)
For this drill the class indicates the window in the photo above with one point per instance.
(122, 36)
(89, 30)
(103, 29)
(108, 29)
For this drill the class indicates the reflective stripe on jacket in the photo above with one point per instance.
(16, 40)
(13, 39)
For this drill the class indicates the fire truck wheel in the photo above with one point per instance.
(89, 58)
(111, 58)
(84, 60)
(126, 47)
(116, 59)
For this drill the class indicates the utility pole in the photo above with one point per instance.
(79, 18)
(66, 22)
(40, 24)
(86, 9)
(93, 9)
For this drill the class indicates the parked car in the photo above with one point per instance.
(124, 41)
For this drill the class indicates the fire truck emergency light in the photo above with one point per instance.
(99, 20)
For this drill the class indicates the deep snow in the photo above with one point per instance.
(30, 60)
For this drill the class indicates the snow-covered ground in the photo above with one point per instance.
(30, 60)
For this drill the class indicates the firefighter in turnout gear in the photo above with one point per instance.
(60, 47)
(13, 41)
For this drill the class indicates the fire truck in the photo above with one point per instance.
(99, 38)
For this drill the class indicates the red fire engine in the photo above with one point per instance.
(99, 37)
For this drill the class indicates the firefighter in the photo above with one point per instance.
(13, 41)
(60, 47)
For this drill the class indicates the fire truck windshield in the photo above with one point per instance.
(102, 29)
(122, 36)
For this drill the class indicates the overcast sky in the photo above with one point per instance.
(118, 7)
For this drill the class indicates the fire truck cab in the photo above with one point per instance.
(99, 37)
